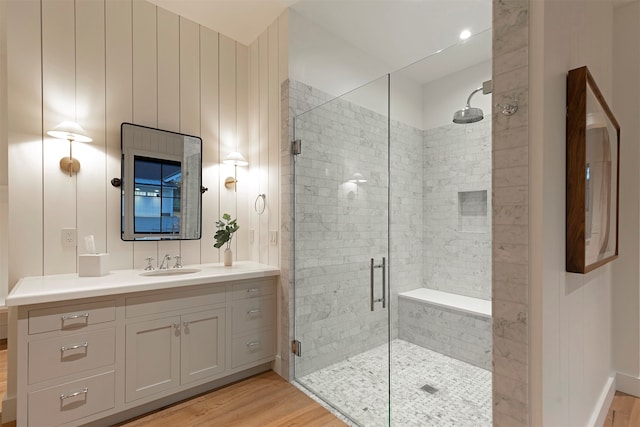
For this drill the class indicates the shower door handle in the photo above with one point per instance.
(372, 267)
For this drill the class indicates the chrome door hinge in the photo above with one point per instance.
(296, 147)
(296, 348)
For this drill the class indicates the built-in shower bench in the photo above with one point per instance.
(455, 325)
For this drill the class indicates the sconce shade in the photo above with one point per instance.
(70, 131)
(236, 159)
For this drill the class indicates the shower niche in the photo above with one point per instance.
(473, 211)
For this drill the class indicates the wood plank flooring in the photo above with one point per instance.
(624, 411)
(263, 400)
(266, 400)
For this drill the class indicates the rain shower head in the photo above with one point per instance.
(471, 114)
(468, 115)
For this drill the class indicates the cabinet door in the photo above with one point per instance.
(203, 339)
(152, 357)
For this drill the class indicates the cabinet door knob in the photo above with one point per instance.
(176, 325)
(185, 324)
(254, 311)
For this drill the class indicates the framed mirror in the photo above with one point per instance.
(593, 159)
(161, 184)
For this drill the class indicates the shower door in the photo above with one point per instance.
(341, 250)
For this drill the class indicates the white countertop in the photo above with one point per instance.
(61, 287)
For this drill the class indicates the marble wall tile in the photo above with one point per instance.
(510, 138)
(341, 225)
(286, 267)
(457, 163)
(511, 60)
(510, 253)
(517, 156)
(511, 196)
(515, 234)
(460, 335)
(510, 214)
(510, 26)
(511, 291)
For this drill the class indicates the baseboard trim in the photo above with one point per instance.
(276, 366)
(601, 410)
(628, 384)
(9, 406)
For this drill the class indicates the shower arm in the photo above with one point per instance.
(472, 93)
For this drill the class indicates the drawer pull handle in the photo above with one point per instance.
(74, 316)
(253, 290)
(74, 347)
(254, 311)
(253, 344)
(74, 394)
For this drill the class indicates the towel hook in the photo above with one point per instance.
(264, 204)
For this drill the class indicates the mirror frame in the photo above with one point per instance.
(580, 84)
(124, 185)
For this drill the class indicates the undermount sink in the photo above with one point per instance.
(170, 272)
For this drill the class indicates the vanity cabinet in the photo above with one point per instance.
(165, 353)
(253, 323)
(70, 366)
(97, 357)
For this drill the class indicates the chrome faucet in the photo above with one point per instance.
(149, 267)
(166, 259)
(178, 259)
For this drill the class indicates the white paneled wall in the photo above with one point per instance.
(267, 70)
(4, 202)
(102, 63)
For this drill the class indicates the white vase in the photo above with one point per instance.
(228, 257)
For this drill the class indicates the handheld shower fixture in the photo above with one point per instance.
(471, 114)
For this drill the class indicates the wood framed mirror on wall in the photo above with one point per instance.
(593, 159)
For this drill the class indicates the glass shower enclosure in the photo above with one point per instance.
(392, 247)
(341, 251)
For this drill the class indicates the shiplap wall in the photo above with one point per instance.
(268, 68)
(102, 63)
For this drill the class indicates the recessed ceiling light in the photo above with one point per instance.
(465, 34)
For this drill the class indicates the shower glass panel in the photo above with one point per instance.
(341, 250)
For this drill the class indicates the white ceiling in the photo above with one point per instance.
(395, 32)
(400, 32)
(241, 20)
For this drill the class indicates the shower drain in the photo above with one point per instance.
(429, 389)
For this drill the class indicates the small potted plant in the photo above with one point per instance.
(226, 227)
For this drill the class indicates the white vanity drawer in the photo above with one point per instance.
(171, 301)
(67, 402)
(70, 317)
(253, 289)
(253, 314)
(252, 347)
(69, 354)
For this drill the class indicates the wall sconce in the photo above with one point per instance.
(236, 159)
(70, 131)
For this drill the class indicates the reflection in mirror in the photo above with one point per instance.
(161, 182)
(600, 206)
